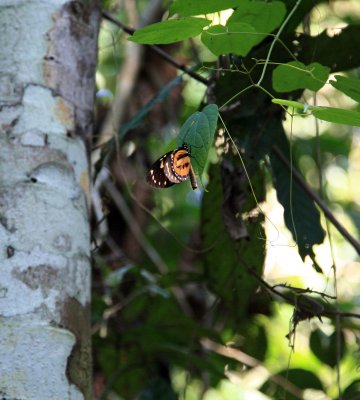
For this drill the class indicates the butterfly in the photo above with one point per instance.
(173, 167)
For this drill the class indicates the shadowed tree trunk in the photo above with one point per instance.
(47, 65)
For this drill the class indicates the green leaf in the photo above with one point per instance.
(325, 348)
(237, 38)
(336, 115)
(289, 103)
(301, 378)
(264, 17)
(352, 392)
(170, 31)
(198, 132)
(306, 229)
(330, 114)
(296, 75)
(349, 86)
(186, 8)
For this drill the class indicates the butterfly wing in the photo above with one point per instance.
(169, 170)
(156, 176)
(181, 166)
(173, 167)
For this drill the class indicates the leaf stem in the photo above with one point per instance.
(276, 38)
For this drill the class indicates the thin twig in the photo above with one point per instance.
(276, 38)
(289, 300)
(302, 291)
(158, 50)
(317, 200)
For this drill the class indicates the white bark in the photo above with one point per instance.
(47, 60)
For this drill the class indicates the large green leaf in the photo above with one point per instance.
(198, 132)
(236, 38)
(296, 75)
(186, 8)
(301, 216)
(349, 86)
(264, 17)
(170, 31)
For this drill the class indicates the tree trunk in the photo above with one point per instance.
(47, 64)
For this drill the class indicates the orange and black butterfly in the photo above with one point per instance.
(173, 167)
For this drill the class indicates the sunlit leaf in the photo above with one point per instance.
(236, 38)
(289, 103)
(330, 114)
(349, 86)
(170, 31)
(296, 75)
(198, 132)
(186, 8)
(264, 17)
(336, 115)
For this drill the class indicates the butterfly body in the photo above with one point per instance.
(173, 167)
